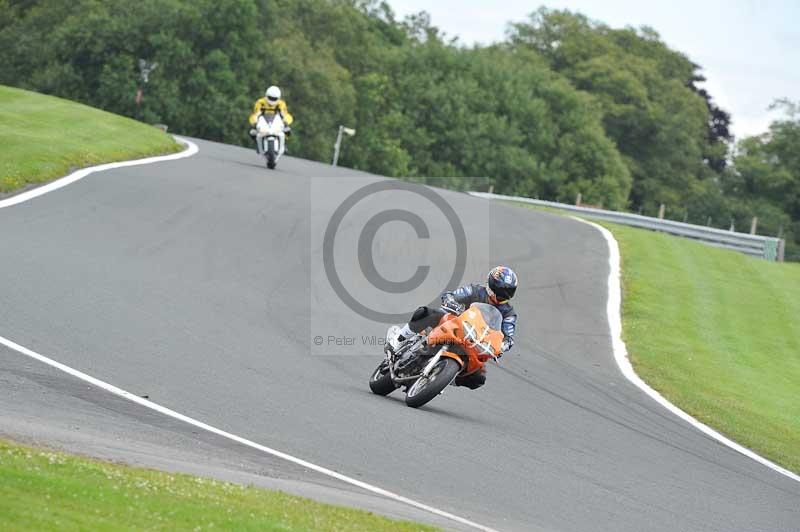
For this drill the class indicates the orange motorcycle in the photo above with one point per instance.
(461, 344)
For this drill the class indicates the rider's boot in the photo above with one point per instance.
(253, 134)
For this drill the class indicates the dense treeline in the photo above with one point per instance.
(564, 105)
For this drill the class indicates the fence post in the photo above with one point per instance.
(578, 199)
(661, 212)
(781, 249)
(491, 189)
(754, 225)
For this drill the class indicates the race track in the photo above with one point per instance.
(200, 283)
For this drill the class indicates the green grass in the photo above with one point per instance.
(46, 490)
(43, 138)
(718, 334)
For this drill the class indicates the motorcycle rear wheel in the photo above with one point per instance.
(426, 388)
(381, 382)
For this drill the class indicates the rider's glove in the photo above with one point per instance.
(508, 343)
(287, 130)
(450, 304)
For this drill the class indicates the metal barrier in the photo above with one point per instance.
(765, 247)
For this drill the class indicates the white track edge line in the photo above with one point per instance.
(191, 149)
(199, 424)
(614, 310)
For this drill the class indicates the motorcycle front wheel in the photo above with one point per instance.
(272, 157)
(426, 388)
(381, 382)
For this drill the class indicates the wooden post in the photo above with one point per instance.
(491, 189)
(139, 98)
(661, 212)
(578, 199)
(708, 222)
(754, 225)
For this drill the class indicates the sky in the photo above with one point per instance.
(749, 50)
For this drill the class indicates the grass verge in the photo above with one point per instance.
(44, 137)
(716, 332)
(46, 490)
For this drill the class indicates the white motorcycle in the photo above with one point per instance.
(270, 137)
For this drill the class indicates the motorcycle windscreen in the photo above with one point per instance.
(265, 123)
(491, 316)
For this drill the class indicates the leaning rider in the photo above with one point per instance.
(501, 284)
(271, 103)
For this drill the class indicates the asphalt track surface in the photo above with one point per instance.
(198, 283)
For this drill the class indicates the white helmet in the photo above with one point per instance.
(273, 94)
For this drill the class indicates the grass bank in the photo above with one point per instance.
(718, 334)
(44, 137)
(46, 490)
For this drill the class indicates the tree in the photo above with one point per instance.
(765, 178)
(658, 122)
(719, 123)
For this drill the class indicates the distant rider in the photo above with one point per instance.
(501, 283)
(271, 103)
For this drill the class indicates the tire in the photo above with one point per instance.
(381, 382)
(271, 159)
(441, 375)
